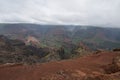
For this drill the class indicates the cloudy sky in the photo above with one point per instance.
(78, 12)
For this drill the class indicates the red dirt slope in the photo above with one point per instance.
(84, 68)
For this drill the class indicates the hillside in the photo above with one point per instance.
(100, 66)
(61, 35)
(16, 51)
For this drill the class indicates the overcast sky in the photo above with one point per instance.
(79, 12)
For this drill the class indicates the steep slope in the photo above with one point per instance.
(56, 35)
(84, 68)
(16, 51)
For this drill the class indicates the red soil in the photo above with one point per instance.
(77, 69)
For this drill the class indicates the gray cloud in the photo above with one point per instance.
(83, 12)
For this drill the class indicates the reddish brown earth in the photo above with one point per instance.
(85, 68)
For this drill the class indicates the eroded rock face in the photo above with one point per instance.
(114, 66)
(15, 51)
(32, 41)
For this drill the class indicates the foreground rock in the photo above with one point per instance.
(90, 67)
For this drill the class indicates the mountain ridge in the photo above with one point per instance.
(56, 35)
